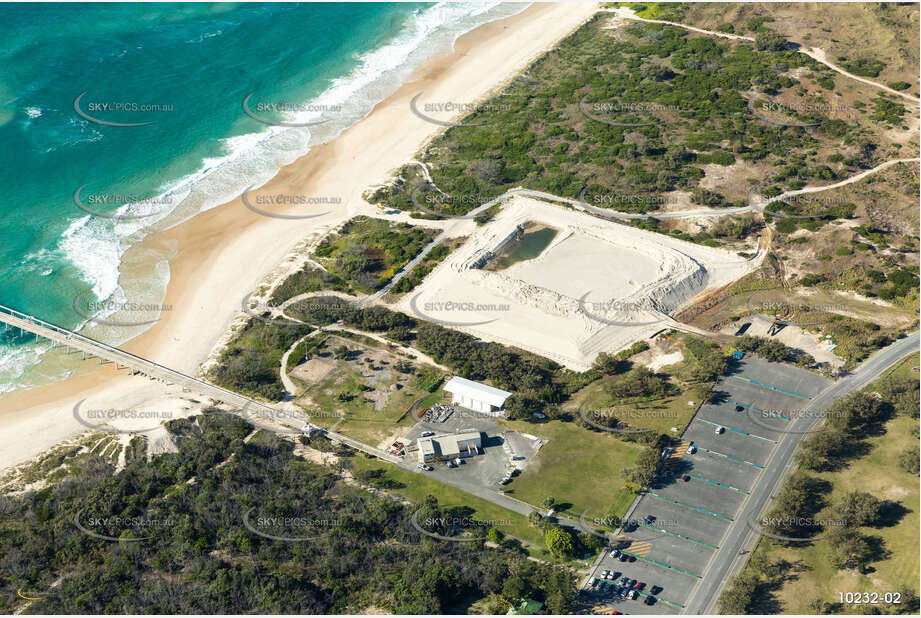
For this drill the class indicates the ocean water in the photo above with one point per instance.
(178, 73)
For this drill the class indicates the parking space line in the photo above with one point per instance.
(688, 506)
(717, 453)
(664, 566)
(770, 414)
(769, 387)
(700, 478)
(680, 536)
(744, 433)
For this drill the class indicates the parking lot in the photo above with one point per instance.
(484, 470)
(705, 481)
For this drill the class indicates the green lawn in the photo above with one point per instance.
(415, 487)
(576, 466)
(877, 473)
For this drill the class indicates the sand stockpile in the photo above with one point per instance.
(597, 286)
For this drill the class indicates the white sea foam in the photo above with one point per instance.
(95, 245)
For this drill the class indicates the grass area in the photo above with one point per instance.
(346, 396)
(432, 259)
(581, 468)
(415, 487)
(878, 473)
(367, 252)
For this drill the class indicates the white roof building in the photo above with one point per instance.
(465, 444)
(476, 396)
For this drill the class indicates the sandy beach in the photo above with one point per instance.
(218, 257)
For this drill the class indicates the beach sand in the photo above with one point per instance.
(219, 256)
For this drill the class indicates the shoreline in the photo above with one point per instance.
(219, 256)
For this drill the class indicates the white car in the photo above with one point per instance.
(719, 430)
(426, 434)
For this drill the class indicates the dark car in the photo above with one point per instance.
(739, 409)
(650, 600)
(615, 574)
(685, 478)
(655, 590)
(623, 557)
(632, 558)
(649, 519)
(639, 585)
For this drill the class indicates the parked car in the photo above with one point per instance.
(615, 553)
(425, 467)
(692, 449)
(720, 429)
(632, 558)
(650, 600)
(639, 585)
(633, 594)
(655, 590)
(685, 478)
(740, 409)
(649, 519)
(426, 434)
(623, 557)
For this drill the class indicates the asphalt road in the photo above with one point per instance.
(727, 560)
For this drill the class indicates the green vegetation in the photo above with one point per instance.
(251, 362)
(679, 97)
(307, 279)
(367, 252)
(201, 558)
(868, 503)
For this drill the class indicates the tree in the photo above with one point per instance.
(559, 542)
(737, 598)
(644, 471)
(858, 508)
(608, 364)
(849, 549)
(768, 40)
(908, 460)
(514, 588)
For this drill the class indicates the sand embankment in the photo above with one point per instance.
(218, 257)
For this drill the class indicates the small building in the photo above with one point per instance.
(476, 396)
(449, 446)
(525, 607)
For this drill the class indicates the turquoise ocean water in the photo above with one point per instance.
(185, 69)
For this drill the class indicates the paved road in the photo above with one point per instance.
(727, 561)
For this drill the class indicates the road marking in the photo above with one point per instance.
(769, 414)
(664, 565)
(680, 450)
(744, 433)
(680, 536)
(769, 387)
(688, 506)
(718, 454)
(706, 480)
